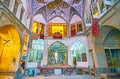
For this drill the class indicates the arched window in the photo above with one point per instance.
(78, 52)
(57, 53)
(36, 53)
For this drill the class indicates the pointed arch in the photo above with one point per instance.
(73, 11)
(77, 51)
(75, 18)
(39, 18)
(57, 53)
(107, 45)
(10, 45)
(57, 17)
(57, 26)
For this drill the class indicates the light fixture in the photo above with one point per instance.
(56, 56)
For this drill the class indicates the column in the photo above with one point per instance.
(99, 56)
(68, 30)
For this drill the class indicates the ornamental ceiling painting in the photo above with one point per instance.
(59, 8)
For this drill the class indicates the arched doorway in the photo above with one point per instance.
(107, 47)
(112, 48)
(78, 53)
(57, 54)
(9, 48)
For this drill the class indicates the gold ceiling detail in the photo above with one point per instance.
(60, 28)
(50, 5)
(9, 48)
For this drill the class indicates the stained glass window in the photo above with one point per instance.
(113, 57)
(21, 15)
(95, 11)
(77, 50)
(102, 6)
(79, 27)
(7, 2)
(108, 3)
(57, 53)
(36, 53)
(88, 18)
(15, 7)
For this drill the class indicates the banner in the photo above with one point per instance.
(57, 35)
(95, 27)
(41, 36)
(42, 31)
(73, 32)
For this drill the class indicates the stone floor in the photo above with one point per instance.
(63, 77)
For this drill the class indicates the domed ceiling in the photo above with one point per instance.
(59, 8)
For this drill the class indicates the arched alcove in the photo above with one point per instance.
(57, 25)
(106, 44)
(57, 20)
(75, 19)
(78, 53)
(57, 54)
(112, 48)
(39, 18)
(9, 48)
